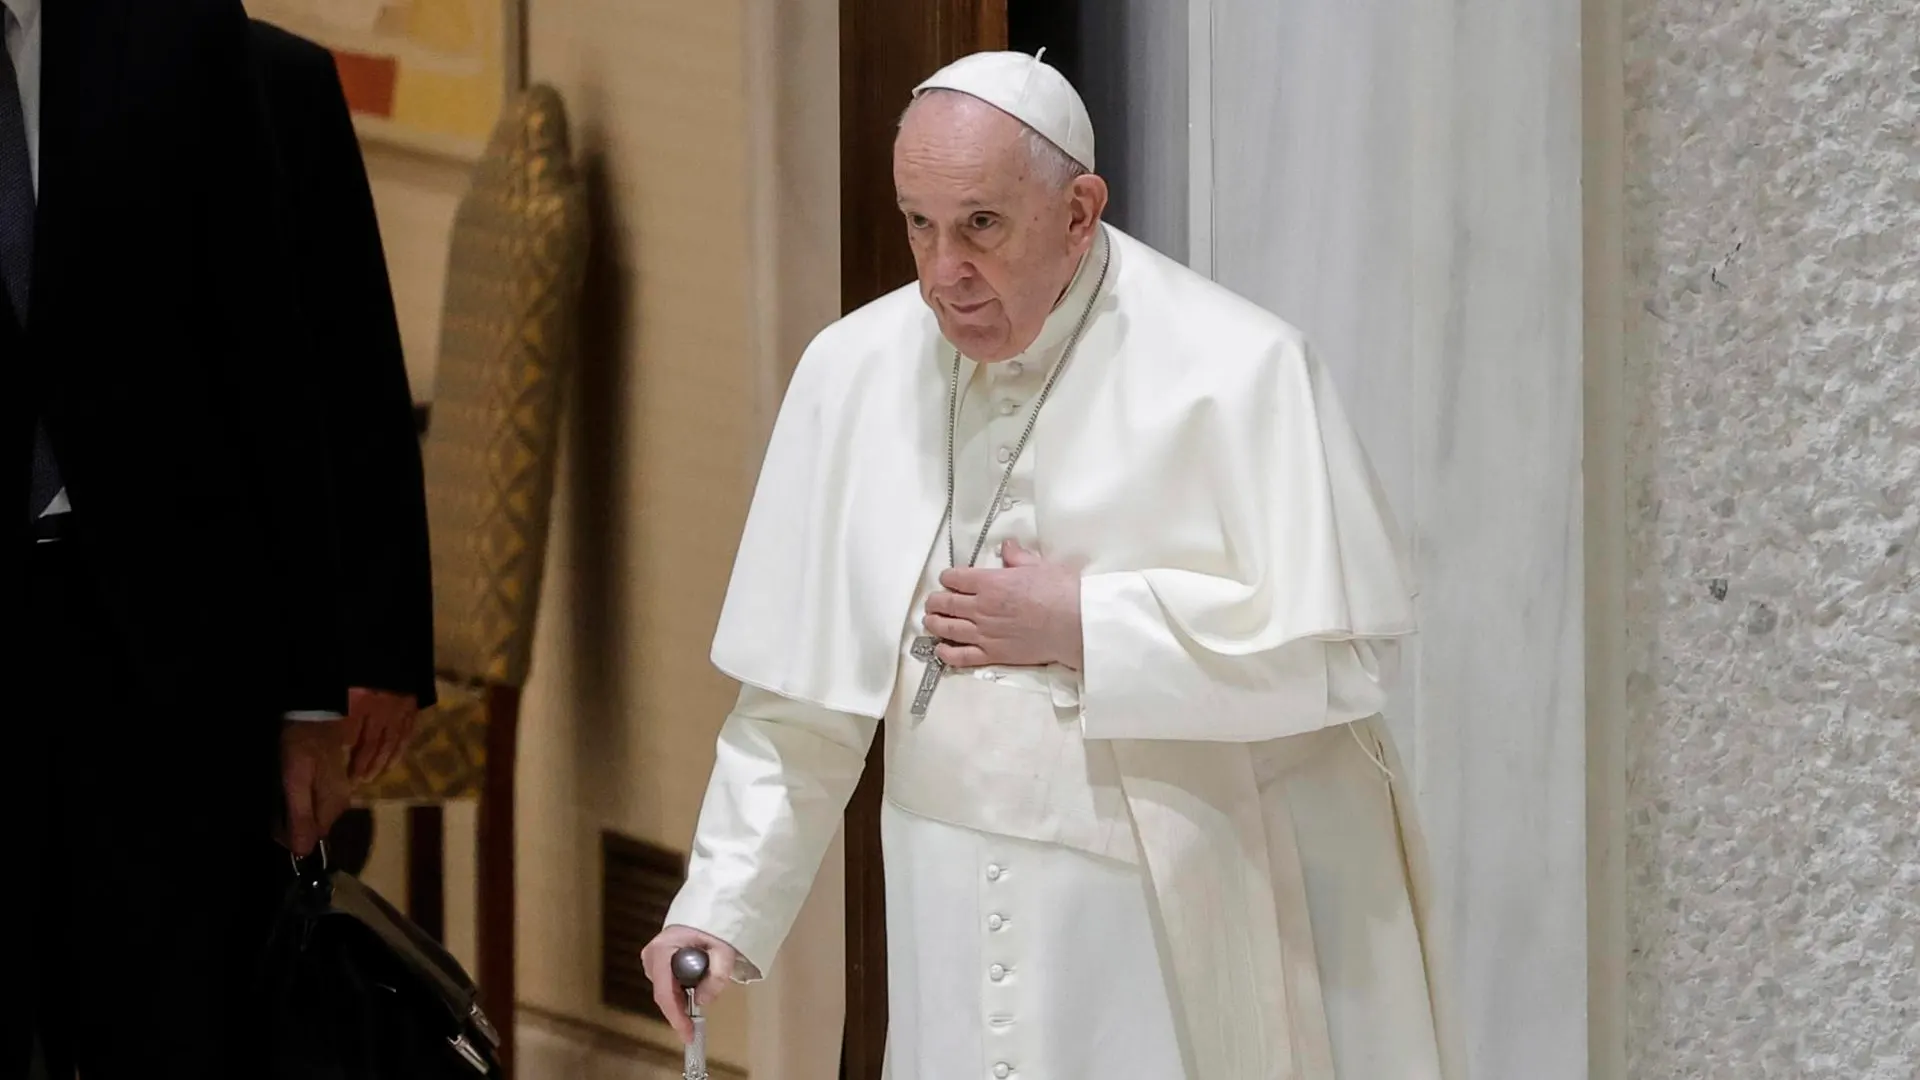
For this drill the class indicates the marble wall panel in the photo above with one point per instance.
(1402, 181)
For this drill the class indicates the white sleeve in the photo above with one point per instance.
(1142, 679)
(781, 780)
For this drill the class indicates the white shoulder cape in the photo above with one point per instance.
(1193, 439)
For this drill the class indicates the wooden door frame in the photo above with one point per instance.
(886, 48)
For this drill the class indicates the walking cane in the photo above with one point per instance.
(689, 970)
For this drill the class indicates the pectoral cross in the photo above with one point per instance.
(923, 651)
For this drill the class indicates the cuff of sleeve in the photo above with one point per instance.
(1120, 627)
(732, 922)
(308, 716)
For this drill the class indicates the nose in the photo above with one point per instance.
(946, 264)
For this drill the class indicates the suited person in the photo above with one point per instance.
(342, 284)
(172, 559)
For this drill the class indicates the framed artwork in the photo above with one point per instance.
(425, 75)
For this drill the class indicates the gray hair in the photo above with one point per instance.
(1050, 165)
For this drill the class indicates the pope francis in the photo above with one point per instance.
(1092, 536)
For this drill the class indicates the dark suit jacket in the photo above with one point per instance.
(164, 350)
(343, 287)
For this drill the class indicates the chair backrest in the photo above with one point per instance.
(508, 336)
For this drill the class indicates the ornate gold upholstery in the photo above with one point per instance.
(447, 758)
(507, 339)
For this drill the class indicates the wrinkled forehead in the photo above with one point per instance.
(958, 150)
(950, 122)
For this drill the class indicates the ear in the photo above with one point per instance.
(1086, 203)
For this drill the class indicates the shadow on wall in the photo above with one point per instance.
(599, 452)
(1128, 59)
(1077, 43)
(1056, 26)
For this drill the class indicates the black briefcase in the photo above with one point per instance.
(353, 990)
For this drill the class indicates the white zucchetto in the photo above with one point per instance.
(1027, 89)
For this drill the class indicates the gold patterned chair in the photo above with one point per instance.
(508, 338)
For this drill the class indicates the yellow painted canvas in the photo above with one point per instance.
(430, 75)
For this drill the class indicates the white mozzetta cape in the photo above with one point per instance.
(1195, 463)
(1193, 439)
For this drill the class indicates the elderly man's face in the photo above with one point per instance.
(994, 243)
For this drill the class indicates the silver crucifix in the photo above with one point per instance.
(923, 651)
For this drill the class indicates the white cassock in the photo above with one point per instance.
(1193, 858)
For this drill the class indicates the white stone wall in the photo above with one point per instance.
(1773, 452)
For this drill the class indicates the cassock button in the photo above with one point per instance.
(1015, 367)
(1006, 503)
(1006, 408)
(997, 972)
(993, 872)
(1002, 1071)
(1005, 455)
(995, 922)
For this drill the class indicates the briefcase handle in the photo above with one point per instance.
(299, 864)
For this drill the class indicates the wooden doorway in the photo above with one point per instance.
(886, 48)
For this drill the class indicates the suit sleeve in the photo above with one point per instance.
(387, 593)
(781, 780)
(259, 347)
(1143, 679)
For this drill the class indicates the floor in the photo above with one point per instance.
(555, 1049)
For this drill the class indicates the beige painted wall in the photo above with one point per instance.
(709, 136)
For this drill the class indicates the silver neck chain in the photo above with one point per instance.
(1033, 417)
